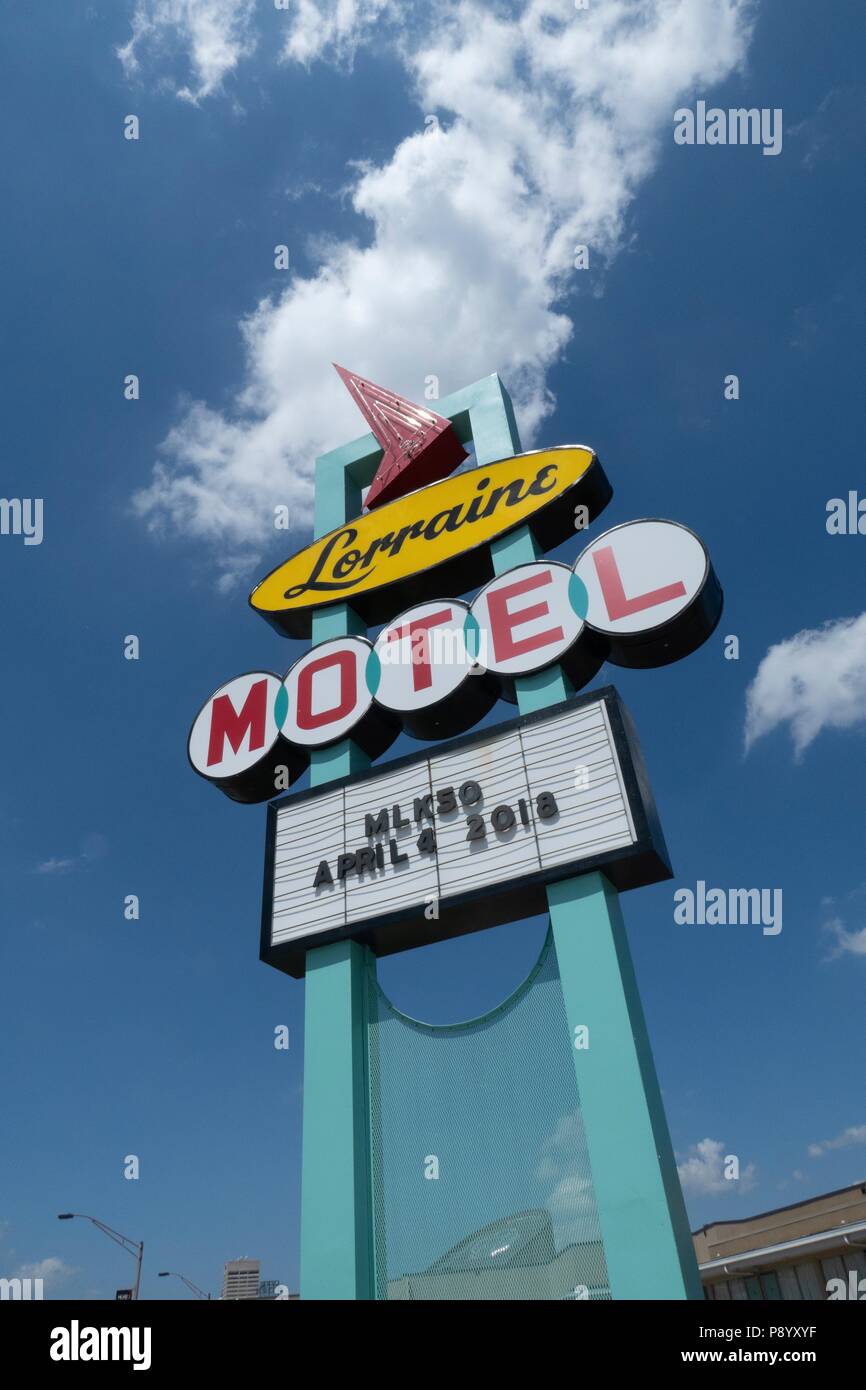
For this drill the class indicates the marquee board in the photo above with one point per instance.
(431, 847)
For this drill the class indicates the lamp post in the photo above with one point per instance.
(135, 1247)
(168, 1273)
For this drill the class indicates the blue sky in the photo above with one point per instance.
(410, 253)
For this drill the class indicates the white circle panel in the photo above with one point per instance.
(328, 692)
(237, 726)
(641, 575)
(423, 656)
(527, 618)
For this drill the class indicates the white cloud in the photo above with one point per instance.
(560, 1147)
(848, 943)
(551, 119)
(56, 866)
(335, 27)
(216, 34)
(702, 1171)
(573, 1212)
(813, 681)
(845, 942)
(52, 1270)
(855, 1134)
(564, 1162)
(93, 847)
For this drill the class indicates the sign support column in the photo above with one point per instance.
(642, 1214)
(337, 1244)
(647, 1242)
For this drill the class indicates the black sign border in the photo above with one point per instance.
(642, 863)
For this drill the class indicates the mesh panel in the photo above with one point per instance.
(494, 1104)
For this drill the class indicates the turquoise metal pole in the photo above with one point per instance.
(643, 1220)
(336, 1205)
(336, 1209)
(647, 1242)
(337, 1245)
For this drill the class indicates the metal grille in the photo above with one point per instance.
(491, 1106)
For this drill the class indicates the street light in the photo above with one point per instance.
(168, 1273)
(135, 1247)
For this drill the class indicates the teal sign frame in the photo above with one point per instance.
(645, 1231)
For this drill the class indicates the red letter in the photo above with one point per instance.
(422, 678)
(347, 663)
(503, 623)
(618, 606)
(225, 723)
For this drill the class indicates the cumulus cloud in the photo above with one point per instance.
(573, 1212)
(854, 1134)
(566, 1141)
(813, 681)
(215, 34)
(93, 847)
(702, 1171)
(845, 942)
(332, 27)
(548, 120)
(51, 1270)
(564, 1163)
(56, 866)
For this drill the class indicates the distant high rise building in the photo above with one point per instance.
(241, 1279)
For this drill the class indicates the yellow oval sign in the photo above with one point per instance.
(435, 541)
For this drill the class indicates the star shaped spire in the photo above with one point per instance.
(419, 446)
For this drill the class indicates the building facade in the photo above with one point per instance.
(814, 1249)
(241, 1279)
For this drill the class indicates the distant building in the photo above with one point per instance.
(811, 1250)
(241, 1279)
(814, 1249)
(512, 1258)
